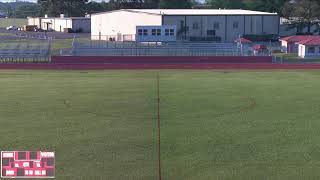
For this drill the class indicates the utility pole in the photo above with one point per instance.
(14, 13)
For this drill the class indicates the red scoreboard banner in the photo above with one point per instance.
(27, 164)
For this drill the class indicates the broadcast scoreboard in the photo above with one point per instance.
(27, 164)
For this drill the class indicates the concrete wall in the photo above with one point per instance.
(120, 23)
(225, 30)
(58, 24)
(34, 21)
(47, 23)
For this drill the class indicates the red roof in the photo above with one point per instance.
(259, 47)
(298, 38)
(315, 41)
(243, 40)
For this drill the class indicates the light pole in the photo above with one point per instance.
(14, 13)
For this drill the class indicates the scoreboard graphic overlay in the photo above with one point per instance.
(27, 164)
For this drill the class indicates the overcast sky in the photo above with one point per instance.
(36, 0)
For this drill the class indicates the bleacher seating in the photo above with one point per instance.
(104, 48)
(25, 50)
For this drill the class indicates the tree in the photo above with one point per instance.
(225, 4)
(256, 5)
(151, 4)
(301, 14)
(266, 5)
(176, 4)
(68, 7)
(24, 11)
(19, 9)
(94, 7)
(127, 4)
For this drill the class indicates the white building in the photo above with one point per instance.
(191, 24)
(309, 48)
(77, 24)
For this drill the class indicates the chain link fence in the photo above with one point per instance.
(109, 46)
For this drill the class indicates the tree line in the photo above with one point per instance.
(301, 14)
(81, 7)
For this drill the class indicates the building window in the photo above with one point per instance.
(211, 32)
(153, 32)
(145, 32)
(171, 32)
(216, 25)
(140, 32)
(167, 32)
(158, 32)
(235, 25)
(311, 50)
(195, 25)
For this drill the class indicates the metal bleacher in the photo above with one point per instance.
(107, 48)
(24, 51)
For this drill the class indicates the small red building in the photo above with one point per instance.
(288, 44)
(309, 48)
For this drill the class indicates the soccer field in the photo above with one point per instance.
(214, 124)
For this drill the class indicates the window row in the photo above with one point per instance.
(313, 50)
(155, 32)
(216, 25)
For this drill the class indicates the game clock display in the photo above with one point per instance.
(27, 164)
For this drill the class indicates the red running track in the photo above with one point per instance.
(96, 66)
(159, 59)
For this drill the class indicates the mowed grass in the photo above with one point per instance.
(214, 125)
(6, 22)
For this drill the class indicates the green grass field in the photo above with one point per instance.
(214, 125)
(5, 22)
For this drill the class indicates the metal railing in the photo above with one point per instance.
(109, 48)
(91, 47)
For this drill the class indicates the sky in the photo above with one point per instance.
(36, 0)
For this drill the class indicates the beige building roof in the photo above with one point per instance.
(196, 12)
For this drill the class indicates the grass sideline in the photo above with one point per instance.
(5, 22)
(215, 125)
(293, 57)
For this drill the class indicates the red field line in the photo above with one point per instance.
(90, 66)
